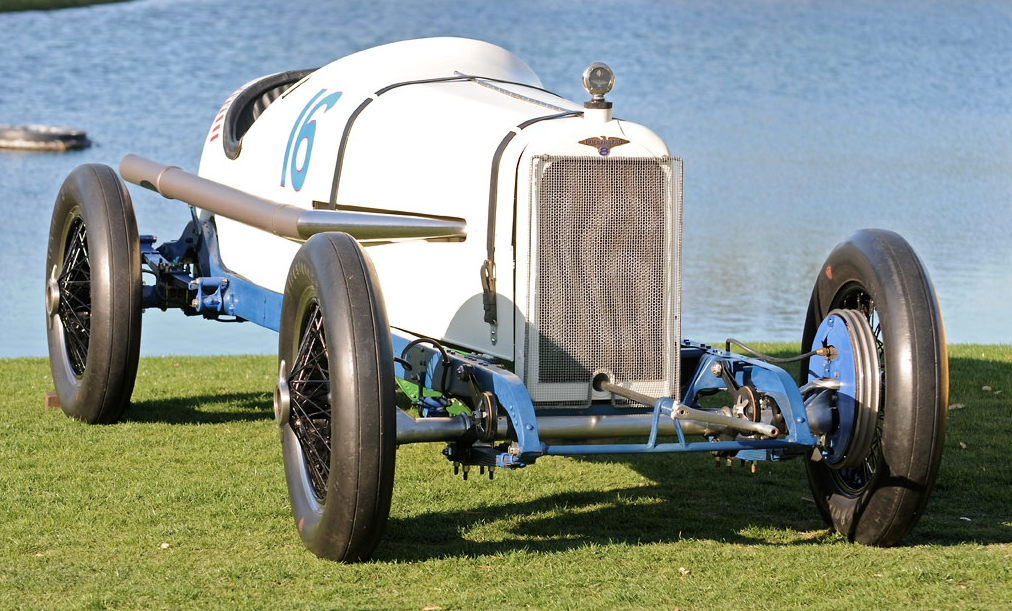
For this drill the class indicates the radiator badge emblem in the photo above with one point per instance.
(604, 144)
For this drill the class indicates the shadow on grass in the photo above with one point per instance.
(724, 509)
(972, 499)
(203, 409)
(686, 497)
(633, 516)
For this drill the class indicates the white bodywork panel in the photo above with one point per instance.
(427, 148)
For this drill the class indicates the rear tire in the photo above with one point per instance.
(877, 274)
(335, 401)
(93, 295)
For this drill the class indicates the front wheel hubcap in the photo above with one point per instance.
(282, 397)
(52, 296)
(856, 367)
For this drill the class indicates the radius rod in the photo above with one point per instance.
(684, 412)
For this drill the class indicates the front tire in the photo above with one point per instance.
(876, 274)
(93, 295)
(335, 399)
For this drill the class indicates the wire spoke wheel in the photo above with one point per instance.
(93, 295)
(335, 406)
(309, 384)
(75, 302)
(877, 496)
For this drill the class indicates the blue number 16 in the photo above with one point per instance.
(303, 132)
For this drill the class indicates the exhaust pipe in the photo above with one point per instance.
(285, 220)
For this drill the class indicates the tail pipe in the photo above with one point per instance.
(285, 220)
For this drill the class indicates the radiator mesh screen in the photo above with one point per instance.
(604, 265)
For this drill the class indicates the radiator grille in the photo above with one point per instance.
(603, 275)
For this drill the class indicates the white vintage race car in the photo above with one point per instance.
(427, 211)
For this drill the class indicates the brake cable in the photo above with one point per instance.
(824, 351)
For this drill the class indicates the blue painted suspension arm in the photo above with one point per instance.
(441, 374)
(769, 380)
(214, 291)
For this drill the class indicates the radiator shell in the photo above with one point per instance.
(601, 261)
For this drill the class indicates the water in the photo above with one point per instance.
(798, 123)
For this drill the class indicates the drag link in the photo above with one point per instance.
(602, 383)
(682, 412)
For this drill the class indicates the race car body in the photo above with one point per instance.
(451, 253)
(460, 128)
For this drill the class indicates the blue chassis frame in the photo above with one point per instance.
(224, 293)
(516, 402)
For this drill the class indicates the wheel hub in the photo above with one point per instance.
(53, 296)
(855, 366)
(282, 397)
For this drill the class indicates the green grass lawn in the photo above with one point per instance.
(183, 505)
